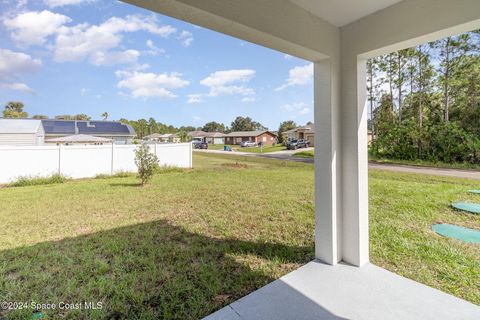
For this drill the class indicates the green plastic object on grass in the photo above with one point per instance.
(474, 191)
(457, 232)
(467, 206)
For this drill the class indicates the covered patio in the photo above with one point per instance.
(338, 36)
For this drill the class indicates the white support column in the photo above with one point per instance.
(327, 164)
(354, 160)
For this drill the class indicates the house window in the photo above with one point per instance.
(264, 138)
(239, 140)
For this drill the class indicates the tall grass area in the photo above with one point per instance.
(24, 181)
(189, 243)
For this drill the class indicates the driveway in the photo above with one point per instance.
(287, 155)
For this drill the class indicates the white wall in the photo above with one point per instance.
(83, 161)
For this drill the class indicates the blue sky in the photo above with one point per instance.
(92, 56)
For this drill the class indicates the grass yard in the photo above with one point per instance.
(305, 154)
(194, 241)
(265, 149)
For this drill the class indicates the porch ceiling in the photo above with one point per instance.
(342, 12)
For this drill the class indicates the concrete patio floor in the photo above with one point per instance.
(320, 291)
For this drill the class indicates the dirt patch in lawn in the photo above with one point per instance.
(235, 165)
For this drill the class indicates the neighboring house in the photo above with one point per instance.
(306, 132)
(120, 133)
(215, 138)
(21, 132)
(165, 137)
(198, 135)
(266, 137)
(82, 139)
(169, 137)
(370, 136)
(153, 137)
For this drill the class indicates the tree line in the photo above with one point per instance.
(143, 127)
(424, 102)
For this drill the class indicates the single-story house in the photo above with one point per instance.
(153, 137)
(82, 139)
(163, 137)
(198, 135)
(306, 132)
(21, 132)
(215, 138)
(169, 137)
(120, 133)
(264, 136)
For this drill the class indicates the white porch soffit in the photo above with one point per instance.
(317, 29)
(343, 12)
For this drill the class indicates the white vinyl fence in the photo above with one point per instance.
(84, 161)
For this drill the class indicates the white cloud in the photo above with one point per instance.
(229, 82)
(186, 38)
(248, 99)
(96, 43)
(153, 50)
(299, 108)
(143, 84)
(61, 3)
(194, 98)
(33, 28)
(287, 57)
(16, 86)
(12, 64)
(298, 76)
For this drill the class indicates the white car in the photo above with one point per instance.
(245, 144)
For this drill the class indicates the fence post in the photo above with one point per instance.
(59, 159)
(111, 161)
(191, 154)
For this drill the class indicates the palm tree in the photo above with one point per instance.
(183, 136)
(105, 116)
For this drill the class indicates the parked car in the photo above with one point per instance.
(245, 144)
(296, 144)
(199, 145)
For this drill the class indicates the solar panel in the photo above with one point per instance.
(54, 126)
(85, 127)
(102, 127)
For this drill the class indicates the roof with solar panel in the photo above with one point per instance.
(55, 127)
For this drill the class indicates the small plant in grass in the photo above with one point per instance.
(147, 163)
(23, 181)
(120, 174)
(168, 169)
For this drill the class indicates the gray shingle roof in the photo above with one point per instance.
(215, 134)
(247, 133)
(195, 134)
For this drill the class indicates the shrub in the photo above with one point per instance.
(441, 142)
(147, 163)
(23, 181)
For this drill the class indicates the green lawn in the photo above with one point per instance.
(265, 149)
(305, 154)
(194, 241)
